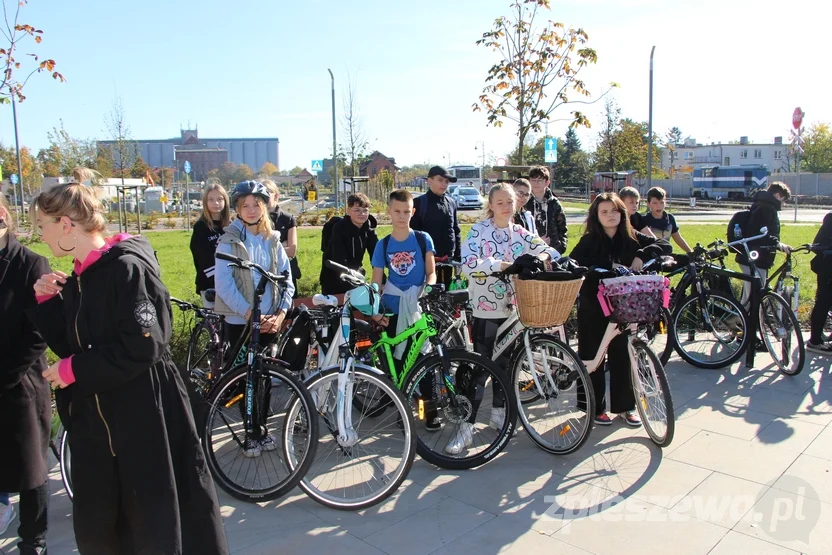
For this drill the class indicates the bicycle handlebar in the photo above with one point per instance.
(350, 276)
(240, 263)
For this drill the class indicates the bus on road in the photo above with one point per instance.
(729, 182)
(470, 176)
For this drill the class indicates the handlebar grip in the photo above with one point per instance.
(718, 253)
(228, 257)
(337, 267)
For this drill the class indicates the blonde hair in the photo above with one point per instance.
(271, 186)
(495, 189)
(81, 175)
(225, 215)
(264, 226)
(77, 202)
(4, 203)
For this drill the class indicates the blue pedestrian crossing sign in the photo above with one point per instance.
(187, 167)
(317, 165)
(551, 150)
(13, 178)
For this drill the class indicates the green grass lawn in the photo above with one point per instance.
(178, 270)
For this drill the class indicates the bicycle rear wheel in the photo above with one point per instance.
(66, 463)
(204, 355)
(269, 474)
(476, 408)
(652, 393)
(559, 421)
(781, 334)
(714, 345)
(369, 471)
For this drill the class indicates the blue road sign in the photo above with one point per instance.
(317, 165)
(187, 167)
(551, 150)
(13, 178)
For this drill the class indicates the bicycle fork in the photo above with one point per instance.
(533, 367)
(347, 436)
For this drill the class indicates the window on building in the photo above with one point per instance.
(727, 161)
(744, 153)
(758, 153)
(778, 154)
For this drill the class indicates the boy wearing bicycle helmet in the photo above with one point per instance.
(610, 242)
(251, 238)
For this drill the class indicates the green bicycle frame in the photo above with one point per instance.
(423, 329)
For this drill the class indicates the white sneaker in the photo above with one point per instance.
(6, 517)
(252, 448)
(268, 443)
(498, 417)
(462, 439)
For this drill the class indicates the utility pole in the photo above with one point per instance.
(650, 127)
(19, 165)
(334, 152)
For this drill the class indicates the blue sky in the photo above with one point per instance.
(258, 68)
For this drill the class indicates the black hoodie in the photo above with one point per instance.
(764, 213)
(347, 245)
(127, 413)
(204, 240)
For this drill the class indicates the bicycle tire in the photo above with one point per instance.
(65, 461)
(431, 445)
(653, 390)
(227, 394)
(736, 336)
(204, 331)
(566, 435)
(827, 328)
(354, 460)
(780, 329)
(658, 336)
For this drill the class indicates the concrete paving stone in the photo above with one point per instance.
(681, 434)
(634, 526)
(822, 445)
(779, 519)
(815, 471)
(734, 543)
(732, 421)
(303, 541)
(757, 462)
(430, 529)
(409, 499)
(810, 407)
(789, 432)
(720, 499)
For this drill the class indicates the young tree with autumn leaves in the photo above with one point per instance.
(538, 71)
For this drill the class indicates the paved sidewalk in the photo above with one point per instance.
(748, 442)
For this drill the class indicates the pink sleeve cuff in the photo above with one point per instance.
(65, 371)
(43, 298)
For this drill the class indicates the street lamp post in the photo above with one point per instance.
(650, 127)
(334, 153)
(448, 156)
(482, 168)
(19, 165)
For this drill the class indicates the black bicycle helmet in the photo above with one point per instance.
(250, 187)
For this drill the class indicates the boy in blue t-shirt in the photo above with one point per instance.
(408, 269)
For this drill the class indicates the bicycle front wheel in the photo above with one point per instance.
(658, 337)
(559, 420)
(717, 342)
(465, 417)
(781, 334)
(652, 393)
(358, 472)
(249, 464)
(66, 463)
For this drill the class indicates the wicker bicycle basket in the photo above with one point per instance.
(544, 304)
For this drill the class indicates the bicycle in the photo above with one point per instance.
(455, 384)
(206, 346)
(781, 275)
(361, 460)
(247, 402)
(59, 444)
(651, 389)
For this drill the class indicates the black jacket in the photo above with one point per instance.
(550, 220)
(822, 262)
(204, 240)
(347, 246)
(764, 209)
(134, 444)
(603, 251)
(24, 394)
(439, 220)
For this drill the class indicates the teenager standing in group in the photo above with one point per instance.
(522, 192)
(435, 213)
(346, 241)
(492, 246)
(610, 242)
(285, 224)
(822, 266)
(140, 479)
(216, 215)
(546, 210)
(24, 394)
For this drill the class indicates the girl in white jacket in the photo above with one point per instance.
(492, 246)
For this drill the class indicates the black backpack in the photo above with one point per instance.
(740, 218)
(326, 232)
